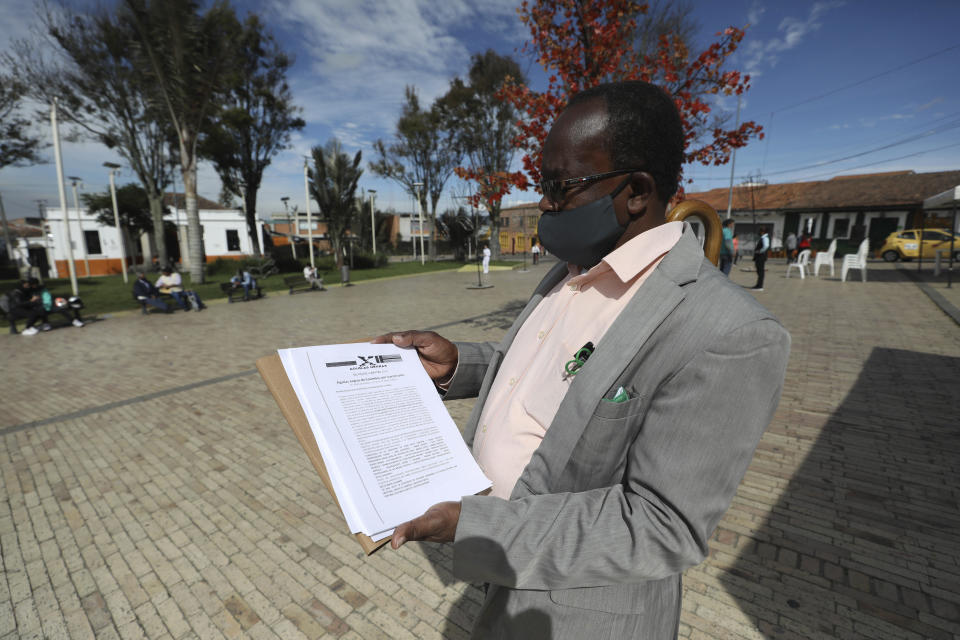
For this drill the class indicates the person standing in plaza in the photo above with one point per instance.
(726, 247)
(760, 257)
(535, 250)
(608, 474)
(791, 246)
(486, 259)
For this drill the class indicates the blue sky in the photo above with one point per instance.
(354, 58)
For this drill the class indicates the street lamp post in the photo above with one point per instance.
(420, 208)
(116, 218)
(293, 246)
(63, 196)
(373, 220)
(306, 193)
(74, 181)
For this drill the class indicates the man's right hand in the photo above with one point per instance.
(437, 354)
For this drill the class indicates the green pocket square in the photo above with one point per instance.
(619, 396)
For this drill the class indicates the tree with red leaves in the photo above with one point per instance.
(583, 43)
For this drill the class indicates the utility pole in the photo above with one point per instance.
(74, 181)
(420, 207)
(733, 162)
(63, 196)
(116, 219)
(373, 220)
(306, 193)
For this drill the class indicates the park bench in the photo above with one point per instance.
(299, 283)
(237, 292)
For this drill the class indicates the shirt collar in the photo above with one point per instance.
(628, 260)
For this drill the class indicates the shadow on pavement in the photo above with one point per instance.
(864, 541)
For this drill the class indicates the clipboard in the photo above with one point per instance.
(273, 374)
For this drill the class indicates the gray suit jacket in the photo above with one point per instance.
(620, 498)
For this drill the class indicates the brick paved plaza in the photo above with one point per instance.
(151, 488)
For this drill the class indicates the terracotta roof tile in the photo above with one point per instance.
(866, 191)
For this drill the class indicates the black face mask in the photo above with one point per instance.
(583, 235)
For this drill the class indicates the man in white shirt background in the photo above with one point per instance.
(760, 257)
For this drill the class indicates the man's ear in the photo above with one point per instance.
(643, 191)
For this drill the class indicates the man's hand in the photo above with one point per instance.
(437, 354)
(438, 524)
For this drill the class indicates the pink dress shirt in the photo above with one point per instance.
(531, 381)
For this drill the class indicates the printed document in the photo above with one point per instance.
(390, 446)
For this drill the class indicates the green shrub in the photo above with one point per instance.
(369, 260)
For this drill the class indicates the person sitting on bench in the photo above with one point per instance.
(245, 280)
(310, 275)
(23, 302)
(145, 293)
(171, 282)
(60, 305)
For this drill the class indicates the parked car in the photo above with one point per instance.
(905, 245)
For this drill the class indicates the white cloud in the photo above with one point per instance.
(792, 31)
(361, 55)
(755, 13)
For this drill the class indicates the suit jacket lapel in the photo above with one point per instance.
(654, 301)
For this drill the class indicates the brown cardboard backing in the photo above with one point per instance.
(273, 374)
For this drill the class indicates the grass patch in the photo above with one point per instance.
(106, 294)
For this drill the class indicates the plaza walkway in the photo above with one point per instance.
(149, 486)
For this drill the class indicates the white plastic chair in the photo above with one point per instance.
(825, 258)
(803, 260)
(856, 260)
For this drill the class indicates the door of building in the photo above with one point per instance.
(880, 228)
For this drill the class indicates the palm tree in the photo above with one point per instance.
(333, 184)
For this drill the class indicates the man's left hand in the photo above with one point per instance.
(438, 524)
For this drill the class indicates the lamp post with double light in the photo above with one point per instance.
(74, 181)
(116, 218)
(293, 246)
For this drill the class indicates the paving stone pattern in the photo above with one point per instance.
(149, 486)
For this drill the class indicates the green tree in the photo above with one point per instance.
(254, 121)
(188, 56)
(457, 228)
(333, 184)
(484, 127)
(18, 144)
(133, 206)
(423, 151)
(90, 71)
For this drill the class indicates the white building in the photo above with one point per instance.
(96, 247)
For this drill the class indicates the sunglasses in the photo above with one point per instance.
(555, 190)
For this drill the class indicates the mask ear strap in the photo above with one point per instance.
(617, 191)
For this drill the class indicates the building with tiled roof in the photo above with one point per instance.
(848, 208)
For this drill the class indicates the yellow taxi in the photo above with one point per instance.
(905, 245)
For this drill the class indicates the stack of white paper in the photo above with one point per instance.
(389, 445)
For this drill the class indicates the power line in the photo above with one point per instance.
(834, 173)
(865, 80)
(871, 164)
(926, 134)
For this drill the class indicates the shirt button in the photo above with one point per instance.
(574, 287)
(541, 334)
(513, 381)
(484, 429)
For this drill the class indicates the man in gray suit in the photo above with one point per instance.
(612, 462)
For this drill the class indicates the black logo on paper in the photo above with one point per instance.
(367, 362)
